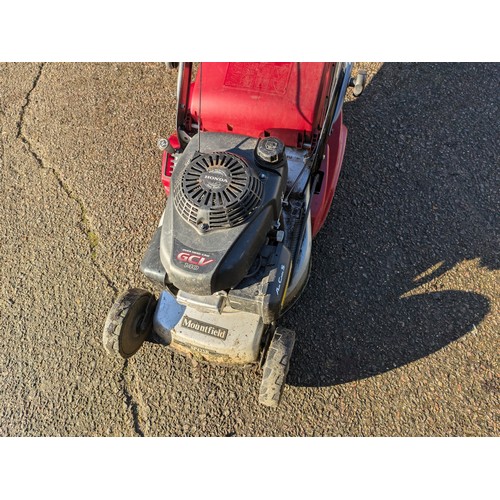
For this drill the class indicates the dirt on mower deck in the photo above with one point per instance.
(397, 331)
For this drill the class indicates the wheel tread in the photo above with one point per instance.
(276, 367)
(115, 318)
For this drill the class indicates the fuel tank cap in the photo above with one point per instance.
(271, 150)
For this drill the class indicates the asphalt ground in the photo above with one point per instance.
(397, 331)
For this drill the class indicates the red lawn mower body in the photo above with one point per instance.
(284, 100)
(250, 176)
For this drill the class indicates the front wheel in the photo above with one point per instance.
(129, 322)
(276, 365)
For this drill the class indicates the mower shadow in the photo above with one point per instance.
(416, 193)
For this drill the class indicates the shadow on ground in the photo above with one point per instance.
(418, 192)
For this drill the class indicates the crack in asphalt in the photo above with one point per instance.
(27, 101)
(132, 405)
(87, 228)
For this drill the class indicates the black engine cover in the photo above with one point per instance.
(224, 202)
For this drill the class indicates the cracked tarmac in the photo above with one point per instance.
(397, 330)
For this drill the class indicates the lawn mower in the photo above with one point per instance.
(249, 174)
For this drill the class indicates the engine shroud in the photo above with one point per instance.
(224, 204)
(217, 190)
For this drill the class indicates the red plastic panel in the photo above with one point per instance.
(251, 98)
(167, 163)
(331, 165)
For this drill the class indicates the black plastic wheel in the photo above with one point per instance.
(172, 65)
(129, 322)
(276, 365)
